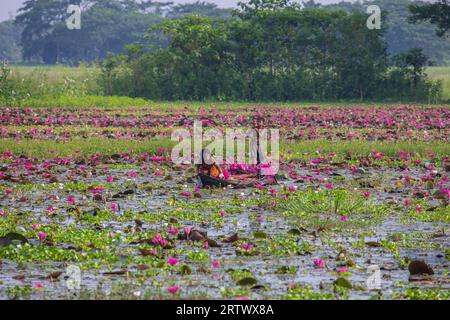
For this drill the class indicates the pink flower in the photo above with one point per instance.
(42, 235)
(342, 269)
(110, 179)
(216, 264)
(196, 189)
(408, 202)
(292, 188)
(446, 192)
(172, 261)
(71, 200)
(186, 194)
(247, 246)
(173, 289)
(35, 226)
(156, 239)
(366, 194)
(38, 285)
(113, 206)
(319, 263)
(418, 208)
(2, 213)
(187, 230)
(222, 214)
(329, 186)
(172, 230)
(226, 174)
(7, 191)
(344, 218)
(132, 174)
(163, 242)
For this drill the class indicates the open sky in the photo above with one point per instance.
(8, 8)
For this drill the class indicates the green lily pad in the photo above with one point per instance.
(12, 238)
(260, 235)
(342, 282)
(185, 270)
(248, 281)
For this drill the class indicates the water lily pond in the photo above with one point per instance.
(360, 211)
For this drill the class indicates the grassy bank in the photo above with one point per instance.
(72, 87)
(299, 150)
(443, 74)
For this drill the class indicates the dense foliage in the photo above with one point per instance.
(437, 13)
(9, 42)
(401, 34)
(109, 25)
(279, 53)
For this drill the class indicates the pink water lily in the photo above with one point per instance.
(173, 289)
(157, 239)
(216, 264)
(344, 218)
(38, 285)
(71, 200)
(342, 270)
(172, 261)
(42, 235)
(319, 263)
(172, 230)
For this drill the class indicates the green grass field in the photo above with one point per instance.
(443, 74)
(82, 89)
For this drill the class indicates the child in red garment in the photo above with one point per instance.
(209, 166)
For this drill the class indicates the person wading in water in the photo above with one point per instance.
(208, 165)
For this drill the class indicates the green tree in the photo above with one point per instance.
(10, 42)
(199, 8)
(437, 13)
(106, 26)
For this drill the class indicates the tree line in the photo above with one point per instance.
(270, 50)
(39, 35)
(263, 50)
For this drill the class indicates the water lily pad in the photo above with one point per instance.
(294, 232)
(260, 235)
(419, 267)
(197, 235)
(286, 270)
(342, 282)
(232, 238)
(185, 270)
(54, 275)
(373, 244)
(213, 243)
(248, 281)
(12, 238)
(115, 272)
